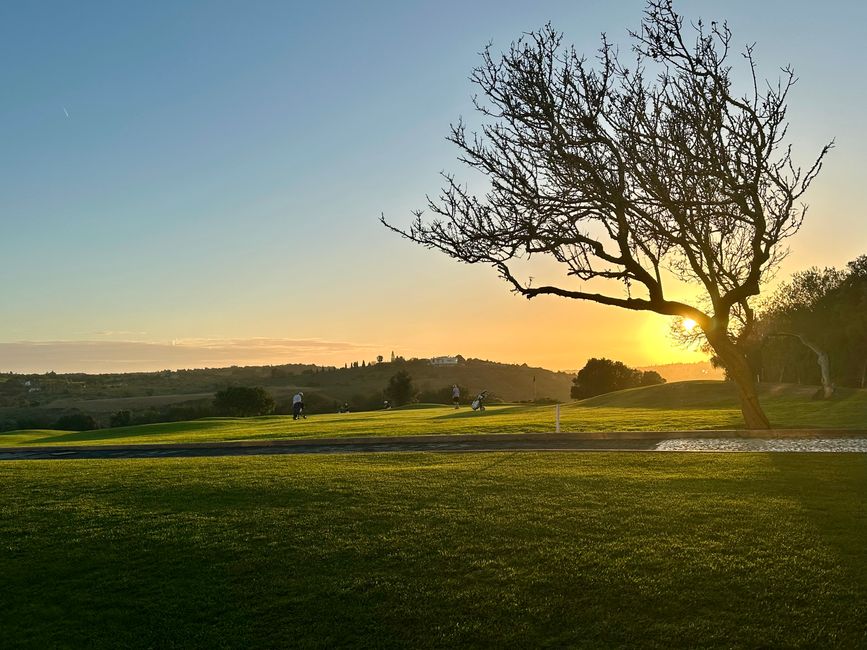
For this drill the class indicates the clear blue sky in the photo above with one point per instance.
(212, 173)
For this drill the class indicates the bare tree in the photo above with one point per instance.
(630, 176)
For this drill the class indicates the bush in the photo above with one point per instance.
(243, 401)
(75, 422)
(121, 419)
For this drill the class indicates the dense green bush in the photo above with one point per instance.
(243, 401)
(75, 422)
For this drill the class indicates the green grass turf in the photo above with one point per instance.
(680, 406)
(437, 550)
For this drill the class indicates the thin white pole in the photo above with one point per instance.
(557, 418)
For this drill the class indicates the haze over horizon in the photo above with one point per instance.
(185, 184)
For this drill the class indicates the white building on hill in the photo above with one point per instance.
(444, 361)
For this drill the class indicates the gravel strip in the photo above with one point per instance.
(858, 445)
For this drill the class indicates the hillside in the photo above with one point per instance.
(34, 401)
(187, 395)
(511, 383)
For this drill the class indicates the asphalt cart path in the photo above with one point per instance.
(584, 441)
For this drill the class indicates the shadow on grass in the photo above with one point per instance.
(490, 411)
(832, 506)
(122, 434)
(832, 501)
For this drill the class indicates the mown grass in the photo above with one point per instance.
(437, 550)
(680, 406)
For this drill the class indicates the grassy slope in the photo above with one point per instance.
(678, 406)
(510, 382)
(422, 550)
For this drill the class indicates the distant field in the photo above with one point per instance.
(436, 550)
(677, 406)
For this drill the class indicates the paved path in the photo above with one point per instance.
(806, 440)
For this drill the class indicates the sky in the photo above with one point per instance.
(187, 184)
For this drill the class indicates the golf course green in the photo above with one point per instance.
(495, 549)
(678, 406)
(437, 550)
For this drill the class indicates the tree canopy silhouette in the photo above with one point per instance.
(631, 174)
(400, 389)
(600, 376)
(243, 401)
(824, 313)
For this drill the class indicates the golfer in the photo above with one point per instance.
(456, 395)
(298, 406)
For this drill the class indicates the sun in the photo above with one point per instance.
(689, 324)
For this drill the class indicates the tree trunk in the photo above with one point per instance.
(822, 359)
(824, 365)
(740, 373)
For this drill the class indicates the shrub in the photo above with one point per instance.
(243, 401)
(76, 422)
(120, 419)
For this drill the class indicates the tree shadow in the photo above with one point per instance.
(833, 502)
(122, 434)
(488, 412)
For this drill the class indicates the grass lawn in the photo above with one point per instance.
(423, 550)
(678, 406)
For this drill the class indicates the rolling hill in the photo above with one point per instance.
(187, 394)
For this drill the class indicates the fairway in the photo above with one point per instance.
(671, 407)
(432, 550)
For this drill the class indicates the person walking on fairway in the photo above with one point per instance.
(456, 395)
(298, 406)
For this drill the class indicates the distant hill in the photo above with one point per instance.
(509, 382)
(687, 371)
(38, 400)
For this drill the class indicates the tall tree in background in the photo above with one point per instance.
(799, 309)
(825, 312)
(629, 172)
(400, 389)
(599, 376)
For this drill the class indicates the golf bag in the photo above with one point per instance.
(479, 403)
